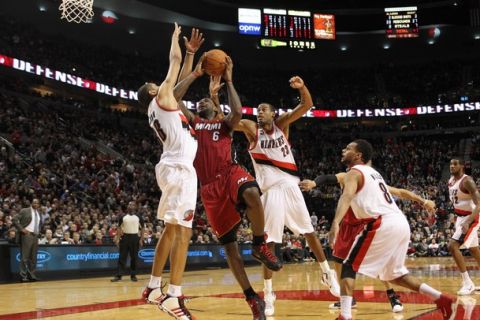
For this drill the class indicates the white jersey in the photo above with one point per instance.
(372, 198)
(172, 128)
(273, 159)
(461, 199)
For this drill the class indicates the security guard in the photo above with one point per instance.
(129, 241)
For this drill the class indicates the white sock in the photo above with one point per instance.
(346, 307)
(429, 291)
(466, 277)
(324, 265)
(155, 282)
(174, 291)
(267, 283)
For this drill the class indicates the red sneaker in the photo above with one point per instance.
(263, 254)
(258, 308)
(446, 304)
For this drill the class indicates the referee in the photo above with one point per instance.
(128, 241)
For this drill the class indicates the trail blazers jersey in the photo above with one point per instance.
(461, 199)
(372, 198)
(176, 135)
(273, 159)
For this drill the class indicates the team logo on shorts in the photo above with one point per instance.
(242, 180)
(188, 215)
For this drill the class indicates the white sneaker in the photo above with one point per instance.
(329, 279)
(175, 307)
(397, 308)
(269, 299)
(466, 289)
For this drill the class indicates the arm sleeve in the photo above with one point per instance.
(326, 179)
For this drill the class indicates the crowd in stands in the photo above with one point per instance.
(85, 163)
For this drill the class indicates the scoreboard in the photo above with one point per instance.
(401, 22)
(286, 28)
(289, 24)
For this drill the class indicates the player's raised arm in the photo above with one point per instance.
(191, 47)
(471, 187)
(305, 104)
(165, 97)
(351, 182)
(235, 115)
(182, 87)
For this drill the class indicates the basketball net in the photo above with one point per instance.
(77, 10)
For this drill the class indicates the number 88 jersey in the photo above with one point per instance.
(172, 129)
(373, 198)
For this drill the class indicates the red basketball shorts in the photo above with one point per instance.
(220, 198)
(345, 238)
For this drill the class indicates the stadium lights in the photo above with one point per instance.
(343, 48)
(42, 8)
(131, 31)
(216, 44)
(477, 37)
(431, 41)
(386, 46)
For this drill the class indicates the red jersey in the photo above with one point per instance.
(214, 154)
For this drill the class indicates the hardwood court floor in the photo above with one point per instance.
(215, 295)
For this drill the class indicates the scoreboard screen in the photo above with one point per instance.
(402, 22)
(287, 24)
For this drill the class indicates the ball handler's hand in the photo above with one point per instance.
(227, 75)
(307, 185)
(215, 85)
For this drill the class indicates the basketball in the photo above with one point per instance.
(214, 62)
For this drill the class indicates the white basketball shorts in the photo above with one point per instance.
(178, 183)
(284, 205)
(380, 249)
(469, 239)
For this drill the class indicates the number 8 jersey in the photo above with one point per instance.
(372, 198)
(273, 159)
(176, 135)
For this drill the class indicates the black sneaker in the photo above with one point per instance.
(263, 254)
(116, 279)
(258, 307)
(397, 306)
(134, 278)
(336, 305)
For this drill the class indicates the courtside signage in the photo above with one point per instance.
(67, 78)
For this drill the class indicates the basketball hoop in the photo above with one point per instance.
(77, 10)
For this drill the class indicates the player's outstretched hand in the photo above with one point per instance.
(195, 42)
(215, 85)
(227, 75)
(296, 82)
(176, 31)
(429, 205)
(307, 185)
